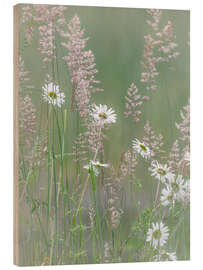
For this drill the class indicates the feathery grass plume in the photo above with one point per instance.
(184, 126)
(50, 20)
(153, 141)
(184, 164)
(112, 190)
(23, 77)
(160, 46)
(47, 45)
(38, 152)
(175, 156)
(29, 32)
(80, 148)
(27, 119)
(27, 18)
(90, 140)
(82, 67)
(115, 217)
(27, 125)
(128, 162)
(134, 101)
(184, 129)
(26, 14)
(94, 141)
(107, 252)
(92, 216)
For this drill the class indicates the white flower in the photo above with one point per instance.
(89, 167)
(95, 165)
(167, 197)
(160, 172)
(98, 164)
(178, 186)
(176, 190)
(141, 148)
(52, 95)
(165, 256)
(102, 115)
(157, 235)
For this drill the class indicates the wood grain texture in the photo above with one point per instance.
(15, 135)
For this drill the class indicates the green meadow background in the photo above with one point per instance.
(116, 37)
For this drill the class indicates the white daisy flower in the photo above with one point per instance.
(52, 95)
(103, 115)
(165, 256)
(160, 172)
(157, 235)
(176, 190)
(167, 197)
(95, 165)
(178, 186)
(89, 167)
(141, 148)
(99, 164)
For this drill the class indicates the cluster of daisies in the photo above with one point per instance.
(175, 190)
(157, 236)
(175, 187)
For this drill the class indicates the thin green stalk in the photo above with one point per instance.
(98, 220)
(86, 182)
(55, 192)
(157, 192)
(48, 168)
(64, 192)
(43, 231)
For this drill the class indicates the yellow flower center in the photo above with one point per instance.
(52, 95)
(161, 171)
(143, 147)
(157, 234)
(102, 115)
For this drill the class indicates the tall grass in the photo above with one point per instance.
(89, 191)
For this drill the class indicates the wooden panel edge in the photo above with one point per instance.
(15, 135)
